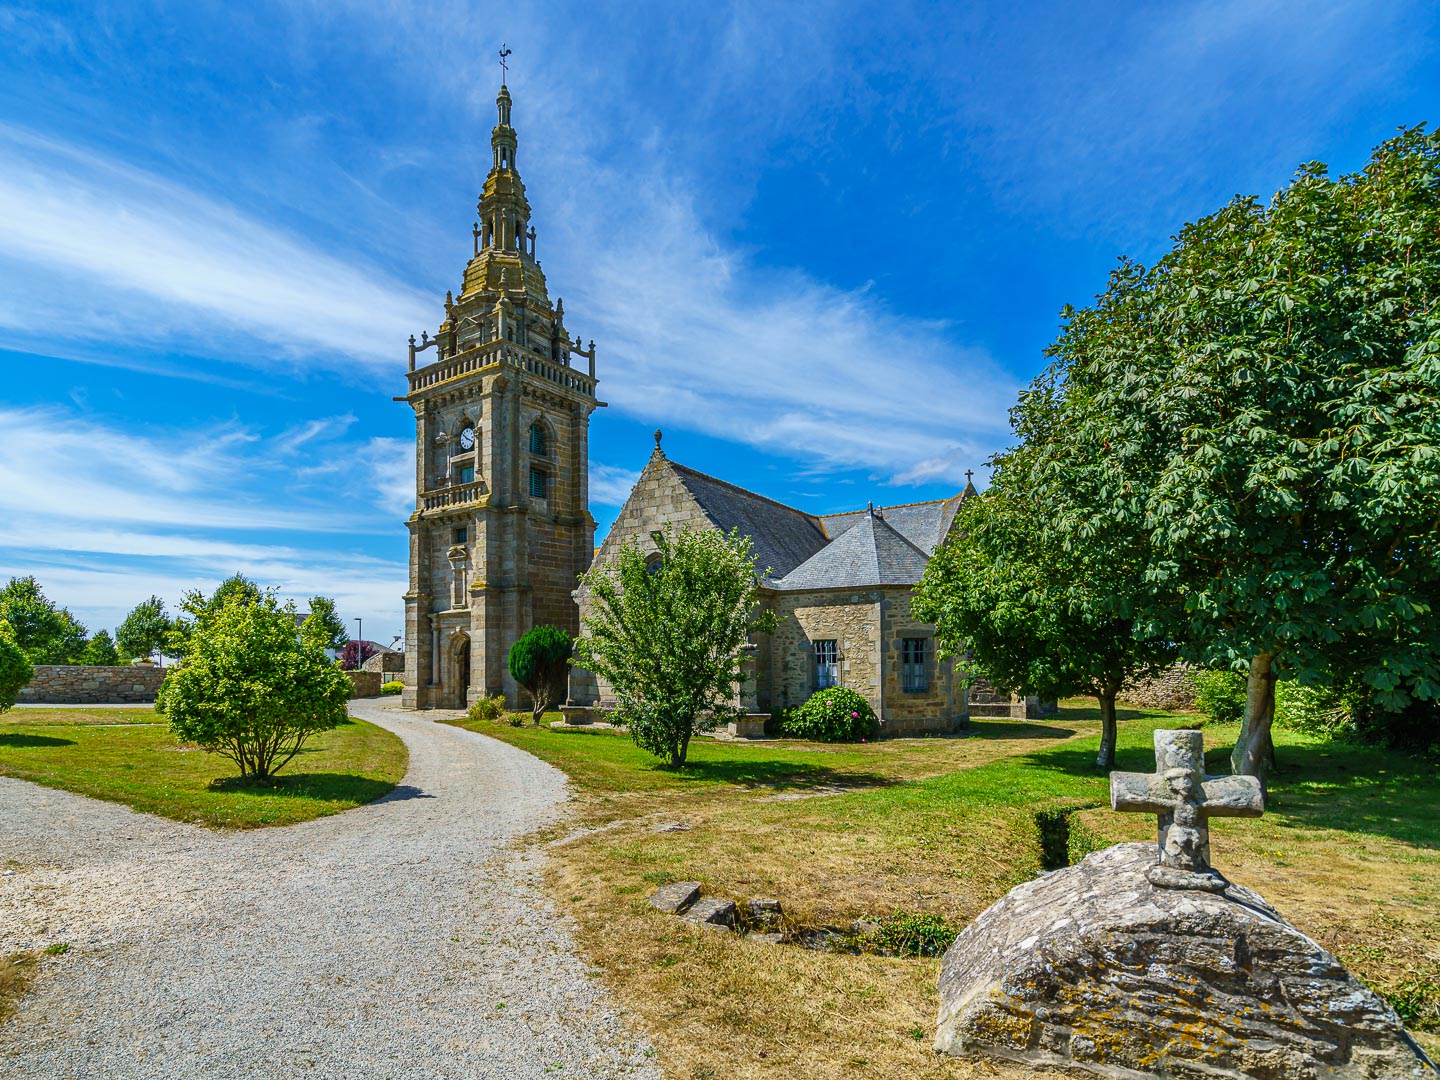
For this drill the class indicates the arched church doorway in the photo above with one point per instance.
(458, 687)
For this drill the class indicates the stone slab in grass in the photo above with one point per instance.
(716, 913)
(1097, 967)
(675, 897)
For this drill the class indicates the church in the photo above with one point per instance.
(502, 531)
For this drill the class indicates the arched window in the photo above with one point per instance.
(654, 564)
(537, 438)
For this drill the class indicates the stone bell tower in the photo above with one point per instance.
(502, 529)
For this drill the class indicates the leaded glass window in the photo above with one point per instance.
(827, 664)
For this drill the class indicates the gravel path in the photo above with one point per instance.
(406, 938)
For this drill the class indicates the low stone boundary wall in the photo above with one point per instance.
(366, 683)
(1173, 688)
(77, 684)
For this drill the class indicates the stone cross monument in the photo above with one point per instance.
(1185, 798)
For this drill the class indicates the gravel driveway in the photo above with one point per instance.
(401, 939)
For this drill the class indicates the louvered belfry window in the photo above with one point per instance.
(538, 484)
(827, 664)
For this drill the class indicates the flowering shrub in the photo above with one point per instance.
(835, 714)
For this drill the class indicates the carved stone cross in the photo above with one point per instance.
(1185, 798)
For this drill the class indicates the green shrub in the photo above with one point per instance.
(250, 689)
(835, 714)
(1317, 710)
(1220, 695)
(394, 686)
(16, 670)
(490, 708)
(914, 933)
(540, 662)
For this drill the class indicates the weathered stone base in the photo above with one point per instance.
(579, 715)
(749, 726)
(1095, 967)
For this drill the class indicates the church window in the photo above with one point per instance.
(827, 664)
(914, 674)
(467, 475)
(538, 484)
(537, 439)
(461, 535)
(654, 564)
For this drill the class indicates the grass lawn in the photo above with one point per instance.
(129, 756)
(1349, 850)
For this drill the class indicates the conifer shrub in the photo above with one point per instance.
(835, 714)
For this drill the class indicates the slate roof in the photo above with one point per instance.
(783, 536)
(872, 551)
(923, 524)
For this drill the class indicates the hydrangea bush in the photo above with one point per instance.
(835, 714)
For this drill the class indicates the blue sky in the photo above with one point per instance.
(822, 245)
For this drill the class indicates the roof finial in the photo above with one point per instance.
(504, 67)
(658, 436)
(870, 508)
(968, 474)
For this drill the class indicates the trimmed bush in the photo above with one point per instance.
(490, 708)
(394, 686)
(835, 714)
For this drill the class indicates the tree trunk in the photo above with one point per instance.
(678, 759)
(1254, 751)
(1108, 733)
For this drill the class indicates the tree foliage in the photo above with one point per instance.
(250, 688)
(144, 630)
(324, 625)
(47, 634)
(670, 636)
(355, 653)
(540, 661)
(196, 609)
(100, 650)
(1264, 404)
(1031, 612)
(16, 671)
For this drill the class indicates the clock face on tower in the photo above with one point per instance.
(467, 439)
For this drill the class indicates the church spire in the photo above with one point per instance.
(504, 211)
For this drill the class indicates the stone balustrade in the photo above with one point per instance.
(501, 352)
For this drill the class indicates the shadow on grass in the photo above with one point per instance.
(775, 775)
(1008, 729)
(1324, 785)
(328, 787)
(18, 739)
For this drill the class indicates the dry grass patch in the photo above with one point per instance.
(1347, 850)
(17, 972)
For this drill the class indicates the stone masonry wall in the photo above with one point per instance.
(852, 619)
(938, 709)
(1173, 688)
(76, 684)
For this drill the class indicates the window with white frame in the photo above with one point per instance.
(827, 664)
(914, 672)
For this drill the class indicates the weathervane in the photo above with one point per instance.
(504, 67)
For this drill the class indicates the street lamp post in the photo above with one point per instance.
(359, 644)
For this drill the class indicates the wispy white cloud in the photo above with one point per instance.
(610, 484)
(105, 516)
(157, 260)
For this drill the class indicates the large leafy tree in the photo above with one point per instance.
(324, 624)
(1264, 402)
(16, 671)
(1029, 612)
(250, 688)
(669, 633)
(47, 633)
(144, 630)
(540, 661)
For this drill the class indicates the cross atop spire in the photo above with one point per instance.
(504, 67)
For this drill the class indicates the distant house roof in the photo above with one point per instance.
(783, 537)
(870, 552)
